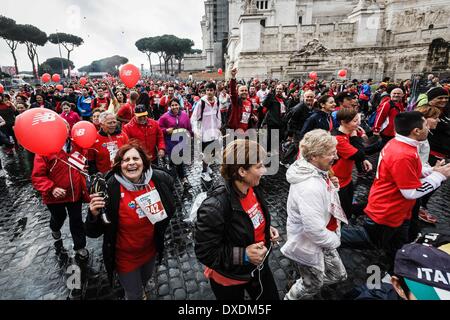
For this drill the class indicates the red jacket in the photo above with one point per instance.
(50, 173)
(101, 155)
(237, 109)
(386, 113)
(150, 135)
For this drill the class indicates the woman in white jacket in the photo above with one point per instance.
(314, 216)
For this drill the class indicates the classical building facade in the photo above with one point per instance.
(214, 26)
(287, 39)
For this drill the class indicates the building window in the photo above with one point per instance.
(262, 4)
(263, 22)
(431, 26)
(300, 20)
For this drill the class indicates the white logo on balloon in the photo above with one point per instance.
(80, 132)
(43, 117)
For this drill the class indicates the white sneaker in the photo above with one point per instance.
(206, 177)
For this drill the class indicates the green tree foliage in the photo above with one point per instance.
(33, 37)
(147, 46)
(54, 65)
(13, 35)
(110, 65)
(167, 47)
(68, 41)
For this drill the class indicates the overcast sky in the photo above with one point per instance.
(108, 27)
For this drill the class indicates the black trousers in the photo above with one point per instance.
(346, 198)
(254, 288)
(58, 216)
(372, 235)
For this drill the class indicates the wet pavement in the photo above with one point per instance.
(30, 269)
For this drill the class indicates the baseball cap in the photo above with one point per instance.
(425, 268)
(140, 111)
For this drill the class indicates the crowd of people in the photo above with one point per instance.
(327, 130)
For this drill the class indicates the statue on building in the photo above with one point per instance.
(249, 6)
(314, 47)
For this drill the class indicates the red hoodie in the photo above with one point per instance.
(386, 113)
(149, 135)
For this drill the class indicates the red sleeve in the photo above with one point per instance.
(125, 130)
(406, 173)
(160, 138)
(39, 177)
(382, 114)
(123, 111)
(125, 138)
(344, 148)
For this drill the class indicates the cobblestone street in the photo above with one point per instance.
(29, 268)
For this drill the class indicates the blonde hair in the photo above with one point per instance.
(429, 111)
(317, 142)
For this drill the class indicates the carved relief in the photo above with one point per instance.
(313, 47)
(419, 18)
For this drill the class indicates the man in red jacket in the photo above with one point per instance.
(109, 140)
(241, 116)
(147, 132)
(386, 113)
(63, 190)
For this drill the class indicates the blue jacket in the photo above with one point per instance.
(318, 120)
(84, 106)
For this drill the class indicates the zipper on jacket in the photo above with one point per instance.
(71, 184)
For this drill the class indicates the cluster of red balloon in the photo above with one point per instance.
(83, 81)
(220, 71)
(2, 89)
(44, 132)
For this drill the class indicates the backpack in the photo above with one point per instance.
(372, 117)
(203, 105)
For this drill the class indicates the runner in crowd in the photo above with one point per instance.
(233, 236)
(314, 217)
(132, 242)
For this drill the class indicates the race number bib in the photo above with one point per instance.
(112, 149)
(89, 100)
(282, 107)
(156, 100)
(245, 117)
(152, 206)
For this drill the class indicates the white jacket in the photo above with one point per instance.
(311, 202)
(209, 128)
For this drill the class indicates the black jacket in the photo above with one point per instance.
(300, 114)
(274, 118)
(47, 105)
(318, 120)
(95, 227)
(439, 138)
(224, 230)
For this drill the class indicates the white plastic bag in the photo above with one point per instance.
(197, 203)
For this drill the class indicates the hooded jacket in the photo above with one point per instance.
(149, 135)
(224, 230)
(310, 205)
(95, 227)
(51, 172)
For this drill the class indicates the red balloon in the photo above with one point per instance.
(41, 131)
(342, 73)
(130, 75)
(56, 78)
(60, 87)
(313, 75)
(83, 81)
(220, 71)
(2, 89)
(46, 77)
(84, 134)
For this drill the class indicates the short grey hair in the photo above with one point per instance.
(317, 142)
(103, 116)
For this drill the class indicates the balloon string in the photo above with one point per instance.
(73, 167)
